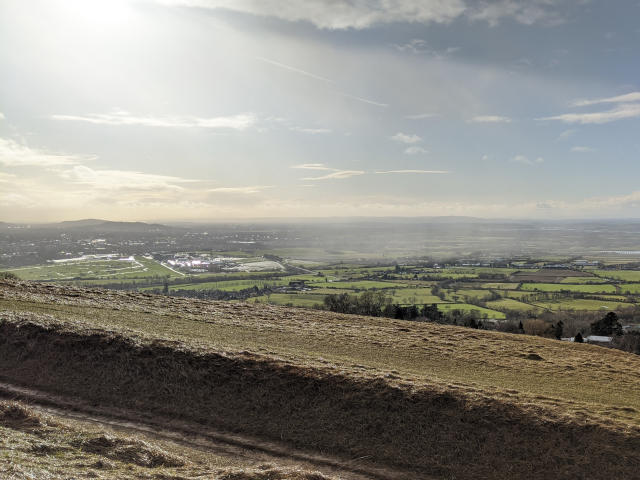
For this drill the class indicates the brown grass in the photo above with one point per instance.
(38, 446)
(453, 424)
(128, 451)
(267, 472)
(17, 416)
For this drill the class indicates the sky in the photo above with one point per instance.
(207, 110)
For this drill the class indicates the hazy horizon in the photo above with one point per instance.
(209, 110)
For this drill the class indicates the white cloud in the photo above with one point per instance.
(579, 149)
(311, 131)
(523, 159)
(490, 119)
(384, 172)
(415, 150)
(340, 174)
(313, 166)
(2, 117)
(627, 110)
(121, 179)
(14, 154)
(241, 190)
(527, 12)
(233, 122)
(421, 116)
(406, 138)
(485, 157)
(345, 14)
(6, 177)
(626, 98)
(341, 14)
(567, 133)
(418, 46)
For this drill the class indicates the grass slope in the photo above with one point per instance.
(445, 401)
(34, 445)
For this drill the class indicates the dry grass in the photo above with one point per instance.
(268, 472)
(445, 401)
(38, 446)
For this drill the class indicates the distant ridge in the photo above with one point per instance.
(95, 225)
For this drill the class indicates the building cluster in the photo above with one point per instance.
(201, 263)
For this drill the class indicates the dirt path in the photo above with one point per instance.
(205, 438)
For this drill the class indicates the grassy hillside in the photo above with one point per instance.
(35, 445)
(445, 401)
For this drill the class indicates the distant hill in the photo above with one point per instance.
(95, 225)
(441, 401)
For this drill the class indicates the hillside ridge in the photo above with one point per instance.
(400, 391)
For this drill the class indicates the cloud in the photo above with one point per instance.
(527, 12)
(340, 174)
(415, 151)
(233, 122)
(524, 160)
(341, 14)
(6, 177)
(406, 138)
(484, 157)
(627, 110)
(2, 117)
(417, 46)
(385, 172)
(312, 131)
(313, 166)
(490, 119)
(240, 190)
(121, 179)
(14, 154)
(626, 98)
(579, 149)
(347, 14)
(567, 133)
(421, 116)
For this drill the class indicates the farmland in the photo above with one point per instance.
(493, 292)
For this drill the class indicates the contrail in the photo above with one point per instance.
(294, 69)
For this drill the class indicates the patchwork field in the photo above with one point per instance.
(492, 290)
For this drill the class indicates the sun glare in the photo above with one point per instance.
(104, 13)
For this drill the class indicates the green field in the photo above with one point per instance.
(465, 307)
(624, 275)
(95, 268)
(633, 288)
(511, 304)
(294, 299)
(357, 284)
(414, 296)
(581, 304)
(583, 280)
(501, 286)
(466, 293)
(559, 287)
